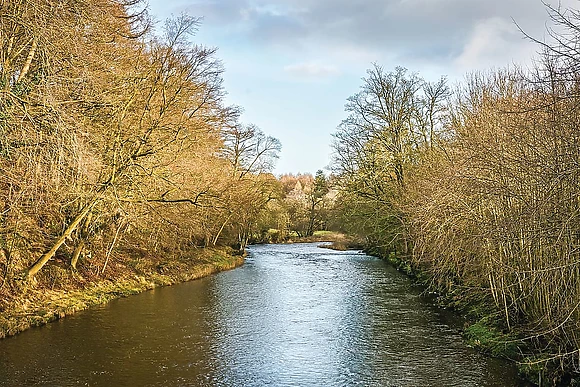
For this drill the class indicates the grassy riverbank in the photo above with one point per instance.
(61, 292)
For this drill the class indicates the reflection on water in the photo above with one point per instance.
(293, 315)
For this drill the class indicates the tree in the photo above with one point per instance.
(393, 118)
(315, 196)
(380, 123)
(113, 139)
(249, 149)
(251, 155)
(42, 72)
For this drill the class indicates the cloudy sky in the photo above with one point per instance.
(291, 64)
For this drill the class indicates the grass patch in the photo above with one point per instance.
(489, 339)
(324, 233)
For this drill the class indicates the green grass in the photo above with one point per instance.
(324, 233)
(489, 339)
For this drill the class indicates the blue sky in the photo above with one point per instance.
(291, 64)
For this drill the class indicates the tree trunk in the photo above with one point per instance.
(220, 230)
(76, 254)
(311, 220)
(82, 238)
(66, 234)
(112, 246)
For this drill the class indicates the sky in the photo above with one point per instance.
(292, 64)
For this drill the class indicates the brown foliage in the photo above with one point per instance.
(111, 136)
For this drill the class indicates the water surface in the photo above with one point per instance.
(293, 315)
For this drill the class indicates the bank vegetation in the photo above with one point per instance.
(476, 188)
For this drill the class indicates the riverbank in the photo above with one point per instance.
(63, 292)
(334, 240)
(484, 328)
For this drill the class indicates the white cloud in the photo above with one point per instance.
(494, 42)
(413, 33)
(312, 70)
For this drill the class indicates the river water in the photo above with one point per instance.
(293, 315)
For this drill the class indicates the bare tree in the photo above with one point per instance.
(249, 149)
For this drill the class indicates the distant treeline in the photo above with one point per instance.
(479, 188)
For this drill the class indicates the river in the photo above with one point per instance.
(293, 315)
